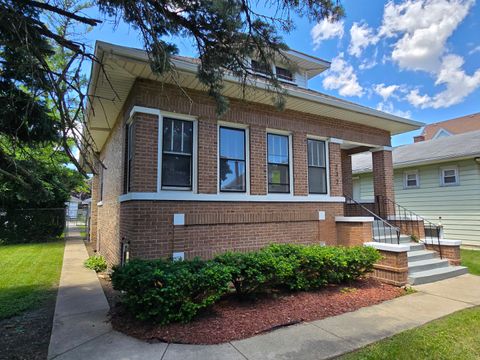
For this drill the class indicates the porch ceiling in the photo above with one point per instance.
(108, 91)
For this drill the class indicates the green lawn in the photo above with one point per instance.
(28, 275)
(453, 337)
(471, 259)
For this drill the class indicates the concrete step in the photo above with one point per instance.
(416, 246)
(420, 255)
(428, 276)
(404, 239)
(429, 264)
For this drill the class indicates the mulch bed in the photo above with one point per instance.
(231, 319)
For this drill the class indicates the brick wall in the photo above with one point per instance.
(148, 226)
(347, 180)
(451, 253)
(383, 178)
(214, 227)
(353, 233)
(392, 268)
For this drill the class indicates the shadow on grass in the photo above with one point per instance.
(15, 300)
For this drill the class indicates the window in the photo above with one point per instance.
(317, 167)
(232, 159)
(449, 176)
(128, 155)
(278, 163)
(283, 74)
(260, 67)
(411, 180)
(177, 154)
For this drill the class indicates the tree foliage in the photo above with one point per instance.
(42, 90)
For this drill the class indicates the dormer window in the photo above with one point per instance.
(260, 67)
(283, 74)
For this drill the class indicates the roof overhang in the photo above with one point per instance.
(114, 75)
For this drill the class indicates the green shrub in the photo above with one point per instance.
(167, 291)
(96, 262)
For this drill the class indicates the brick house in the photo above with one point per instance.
(179, 181)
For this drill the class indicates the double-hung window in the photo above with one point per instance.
(177, 154)
(411, 179)
(317, 167)
(278, 158)
(232, 165)
(449, 176)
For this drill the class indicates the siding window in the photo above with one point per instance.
(449, 176)
(283, 74)
(177, 154)
(278, 159)
(260, 67)
(232, 159)
(317, 167)
(411, 180)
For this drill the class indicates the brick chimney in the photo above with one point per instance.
(419, 138)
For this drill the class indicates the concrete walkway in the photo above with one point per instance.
(81, 329)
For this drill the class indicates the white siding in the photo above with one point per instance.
(458, 205)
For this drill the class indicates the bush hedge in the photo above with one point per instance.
(170, 291)
(167, 291)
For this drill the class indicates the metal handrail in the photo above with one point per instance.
(411, 216)
(385, 223)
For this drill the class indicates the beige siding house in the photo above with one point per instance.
(438, 178)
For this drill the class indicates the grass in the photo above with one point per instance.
(471, 259)
(29, 274)
(453, 337)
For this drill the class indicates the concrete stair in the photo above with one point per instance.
(424, 266)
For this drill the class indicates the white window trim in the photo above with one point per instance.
(247, 156)
(442, 176)
(327, 161)
(405, 179)
(194, 120)
(290, 158)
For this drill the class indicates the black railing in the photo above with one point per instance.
(407, 221)
(382, 230)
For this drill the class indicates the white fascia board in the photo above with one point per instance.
(388, 247)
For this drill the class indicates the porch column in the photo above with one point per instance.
(335, 157)
(347, 180)
(383, 176)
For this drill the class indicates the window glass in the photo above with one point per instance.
(284, 74)
(177, 153)
(278, 163)
(317, 169)
(411, 180)
(232, 159)
(449, 176)
(260, 67)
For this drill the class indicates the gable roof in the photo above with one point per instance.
(453, 126)
(437, 150)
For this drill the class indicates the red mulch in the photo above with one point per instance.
(231, 319)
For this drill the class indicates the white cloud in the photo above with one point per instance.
(342, 77)
(324, 30)
(422, 28)
(361, 36)
(385, 91)
(388, 108)
(474, 50)
(458, 85)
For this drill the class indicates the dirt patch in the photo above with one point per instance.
(231, 319)
(27, 336)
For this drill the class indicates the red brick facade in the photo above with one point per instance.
(392, 268)
(216, 226)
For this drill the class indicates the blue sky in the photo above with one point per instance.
(413, 58)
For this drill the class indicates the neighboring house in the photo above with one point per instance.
(72, 207)
(177, 180)
(435, 178)
(450, 127)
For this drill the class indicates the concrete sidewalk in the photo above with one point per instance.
(81, 329)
